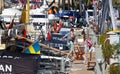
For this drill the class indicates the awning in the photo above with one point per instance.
(113, 32)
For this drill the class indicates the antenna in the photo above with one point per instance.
(45, 6)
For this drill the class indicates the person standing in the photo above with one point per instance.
(83, 33)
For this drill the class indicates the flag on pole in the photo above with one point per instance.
(33, 49)
(11, 24)
(49, 36)
(24, 32)
(59, 27)
(55, 26)
(25, 18)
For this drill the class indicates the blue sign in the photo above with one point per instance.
(68, 13)
(56, 42)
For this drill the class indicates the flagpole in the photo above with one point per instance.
(112, 15)
(27, 17)
(45, 6)
(95, 12)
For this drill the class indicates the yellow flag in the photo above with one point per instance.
(25, 17)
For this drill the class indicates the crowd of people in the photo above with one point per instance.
(71, 44)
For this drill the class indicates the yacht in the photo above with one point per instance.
(37, 17)
(9, 13)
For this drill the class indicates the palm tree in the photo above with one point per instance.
(107, 49)
(76, 4)
(68, 4)
(114, 69)
(87, 3)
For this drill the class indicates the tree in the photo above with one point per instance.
(113, 69)
(107, 49)
(63, 4)
(116, 4)
(87, 3)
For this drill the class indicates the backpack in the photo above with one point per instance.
(89, 43)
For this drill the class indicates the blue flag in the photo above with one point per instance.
(33, 49)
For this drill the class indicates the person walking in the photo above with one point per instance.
(70, 42)
(89, 42)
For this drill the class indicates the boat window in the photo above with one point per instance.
(90, 13)
(38, 16)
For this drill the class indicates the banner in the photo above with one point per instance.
(17, 63)
(56, 42)
(18, 66)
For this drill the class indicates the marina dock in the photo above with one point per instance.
(78, 67)
(59, 36)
